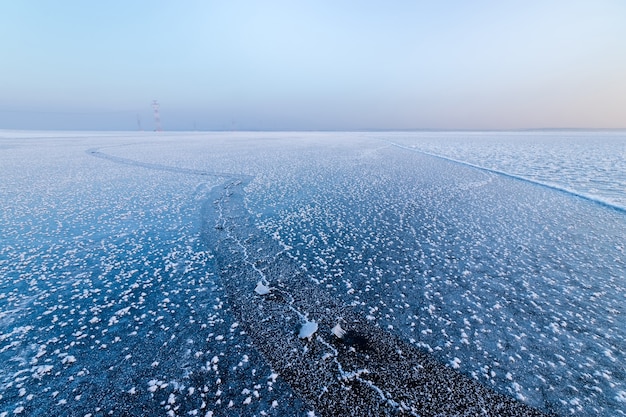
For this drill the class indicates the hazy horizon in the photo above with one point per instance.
(304, 130)
(346, 66)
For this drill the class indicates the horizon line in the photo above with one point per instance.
(374, 130)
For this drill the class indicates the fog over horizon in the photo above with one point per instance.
(324, 66)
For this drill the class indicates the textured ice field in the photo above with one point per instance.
(116, 295)
(588, 163)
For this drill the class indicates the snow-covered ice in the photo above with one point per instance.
(114, 296)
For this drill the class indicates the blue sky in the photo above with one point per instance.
(313, 64)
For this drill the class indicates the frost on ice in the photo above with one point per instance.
(110, 297)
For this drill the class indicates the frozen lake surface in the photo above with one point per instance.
(590, 164)
(264, 273)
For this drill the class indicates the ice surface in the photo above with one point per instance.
(111, 299)
(368, 371)
(588, 163)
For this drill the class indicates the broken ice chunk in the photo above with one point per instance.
(262, 289)
(338, 331)
(307, 330)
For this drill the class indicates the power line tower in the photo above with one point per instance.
(157, 117)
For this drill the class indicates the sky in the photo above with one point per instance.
(312, 65)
